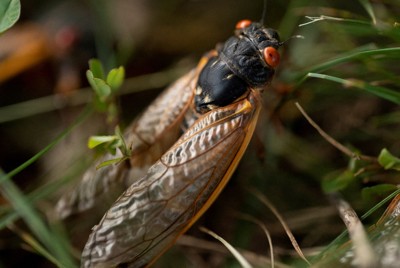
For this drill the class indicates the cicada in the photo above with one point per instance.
(187, 143)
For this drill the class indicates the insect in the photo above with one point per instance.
(216, 105)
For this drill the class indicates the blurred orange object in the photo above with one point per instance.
(21, 48)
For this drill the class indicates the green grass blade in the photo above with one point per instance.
(85, 95)
(8, 215)
(35, 223)
(382, 92)
(380, 204)
(85, 114)
(359, 53)
(51, 240)
(339, 240)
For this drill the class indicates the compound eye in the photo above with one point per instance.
(243, 24)
(271, 56)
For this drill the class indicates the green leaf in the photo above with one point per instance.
(95, 141)
(115, 77)
(90, 78)
(111, 162)
(97, 68)
(388, 161)
(10, 11)
(100, 87)
(337, 181)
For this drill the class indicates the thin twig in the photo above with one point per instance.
(268, 204)
(243, 262)
(267, 234)
(332, 141)
(330, 18)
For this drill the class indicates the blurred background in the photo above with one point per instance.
(43, 89)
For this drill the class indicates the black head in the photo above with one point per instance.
(252, 53)
(259, 35)
(246, 61)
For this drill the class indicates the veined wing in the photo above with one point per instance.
(151, 214)
(149, 137)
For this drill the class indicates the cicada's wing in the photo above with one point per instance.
(155, 210)
(98, 186)
(149, 137)
(159, 126)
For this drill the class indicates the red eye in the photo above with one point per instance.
(243, 24)
(271, 56)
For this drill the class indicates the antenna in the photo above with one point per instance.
(290, 38)
(264, 13)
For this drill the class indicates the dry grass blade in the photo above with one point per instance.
(255, 259)
(364, 255)
(320, 18)
(34, 244)
(332, 141)
(243, 262)
(268, 204)
(267, 234)
(59, 101)
(313, 19)
(393, 210)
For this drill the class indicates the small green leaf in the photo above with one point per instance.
(338, 180)
(388, 161)
(111, 162)
(97, 68)
(10, 11)
(95, 141)
(115, 77)
(90, 78)
(100, 87)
